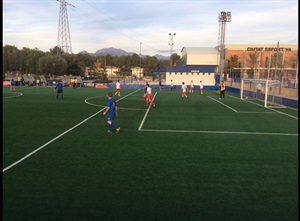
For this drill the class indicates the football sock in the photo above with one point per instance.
(112, 126)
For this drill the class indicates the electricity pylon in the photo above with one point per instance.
(64, 37)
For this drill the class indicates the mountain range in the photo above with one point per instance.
(119, 52)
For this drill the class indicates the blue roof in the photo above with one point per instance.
(157, 70)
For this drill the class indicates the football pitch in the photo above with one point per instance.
(200, 159)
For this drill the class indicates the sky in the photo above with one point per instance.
(144, 26)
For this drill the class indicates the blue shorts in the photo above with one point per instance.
(111, 117)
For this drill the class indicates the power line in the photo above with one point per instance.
(111, 27)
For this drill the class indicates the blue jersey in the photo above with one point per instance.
(59, 86)
(112, 104)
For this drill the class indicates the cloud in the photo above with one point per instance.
(125, 24)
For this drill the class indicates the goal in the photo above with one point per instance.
(266, 91)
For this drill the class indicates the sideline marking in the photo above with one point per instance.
(49, 142)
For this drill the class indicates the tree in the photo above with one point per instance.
(32, 62)
(272, 64)
(232, 63)
(73, 65)
(10, 59)
(24, 55)
(162, 64)
(109, 60)
(56, 51)
(174, 59)
(135, 60)
(253, 60)
(24, 61)
(124, 63)
(99, 70)
(52, 65)
(149, 63)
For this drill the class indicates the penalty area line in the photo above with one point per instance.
(219, 132)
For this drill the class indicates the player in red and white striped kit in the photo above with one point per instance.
(192, 87)
(149, 96)
(183, 91)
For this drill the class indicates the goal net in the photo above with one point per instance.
(266, 91)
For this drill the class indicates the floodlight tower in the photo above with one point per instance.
(223, 18)
(171, 44)
(64, 37)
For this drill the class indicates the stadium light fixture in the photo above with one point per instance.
(171, 44)
(223, 18)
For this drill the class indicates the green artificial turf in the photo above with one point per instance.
(198, 159)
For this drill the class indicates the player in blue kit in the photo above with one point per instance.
(59, 88)
(12, 85)
(112, 109)
(145, 93)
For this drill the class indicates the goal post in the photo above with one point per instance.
(264, 90)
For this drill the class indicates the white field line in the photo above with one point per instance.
(255, 112)
(150, 130)
(223, 104)
(54, 139)
(283, 113)
(273, 110)
(141, 125)
(13, 94)
(212, 132)
(119, 108)
(219, 132)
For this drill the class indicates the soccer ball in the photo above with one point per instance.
(246, 97)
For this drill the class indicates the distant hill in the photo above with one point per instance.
(119, 52)
(113, 52)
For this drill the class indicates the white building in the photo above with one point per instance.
(138, 72)
(199, 56)
(197, 64)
